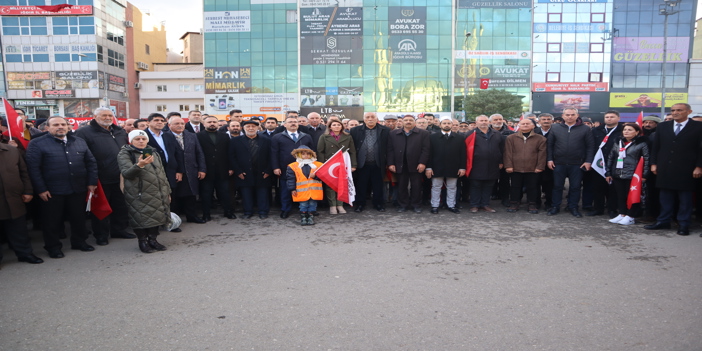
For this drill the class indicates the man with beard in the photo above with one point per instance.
(408, 155)
(104, 140)
(215, 146)
(234, 129)
(249, 158)
(502, 188)
(447, 162)
(194, 170)
(652, 204)
(269, 127)
(649, 124)
(604, 135)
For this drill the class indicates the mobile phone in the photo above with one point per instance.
(147, 152)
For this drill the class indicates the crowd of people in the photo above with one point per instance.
(150, 168)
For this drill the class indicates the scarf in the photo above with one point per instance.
(309, 162)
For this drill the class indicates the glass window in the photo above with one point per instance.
(184, 108)
(184, 88)
(161, 108)
(553, 77)
(161, 88)
(554, 18)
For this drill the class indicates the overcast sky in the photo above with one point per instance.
(186, 16)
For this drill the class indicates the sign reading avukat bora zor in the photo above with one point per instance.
(227, 21)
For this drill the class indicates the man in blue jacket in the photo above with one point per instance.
(62, 170)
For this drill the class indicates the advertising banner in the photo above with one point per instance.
(407, 20)
(35, 102)
(493, 54)
(81, 108)
(331, 21)
(227, 21)
(58, 10)
(116, 83)
(330, 96)
(408, 48)
(570, 27)
(501, 76)
(573, 87)
(58, 94)
(586, 103)
(496, 4)
(84, 75)
(320, 50)
(639, 100)
(321, 3)
(227, 80)
(354, 112)
(256, 104)
(650, 49)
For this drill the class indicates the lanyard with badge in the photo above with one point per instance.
(622, 153)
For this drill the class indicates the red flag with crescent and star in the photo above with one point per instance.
(484, 83)
(470, 149)
(15, 124)
(639, 120)
(336, 173)
(635, 187)
(97, 203)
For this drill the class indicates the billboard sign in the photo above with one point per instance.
(227, 80)
(501, 76)
(645, 100)
(650, 49)
(320, 50)
(408, 48)
(331, 21)
(57, 10)
(495, 4)
(227, 21)
(572, 87)
(407, 20)
(570, 27)
(493, 54)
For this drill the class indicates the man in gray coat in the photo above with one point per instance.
(194, 170)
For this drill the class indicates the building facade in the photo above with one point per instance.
(171, 87)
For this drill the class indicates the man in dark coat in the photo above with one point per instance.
(215, 146)
(487, 163)
(282, 144)
(167, 147)
(250, 159)
(604, 135)
(194, 170)
(105, 139)
(677, 161)
(371, 141)
(408, 155)
(194, 124)
(62, 170)
(447, 162)
(15, 191)
(546, 180)
(269, 127)
(316, 128)
(502, 187)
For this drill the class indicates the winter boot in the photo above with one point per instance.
(310, 219)
(303, 218)
(151, 239)
(143, 243)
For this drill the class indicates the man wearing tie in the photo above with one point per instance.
(194, 124)
(282, 144)
(194, 170)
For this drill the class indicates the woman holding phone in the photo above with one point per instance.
(146, 190)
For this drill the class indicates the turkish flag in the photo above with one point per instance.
(470, 149)
(639, 120)
(635, 187)
(15, 124)
(98, 204)
(336, 173)
(55, 8)
(484, 83)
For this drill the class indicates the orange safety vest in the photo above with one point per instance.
(306, 188)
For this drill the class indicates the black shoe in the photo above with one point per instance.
(263, 216)
(314, 213)
(684, 231)
(417, 210)
(145, 247)
(595, 213)
(123, 235)
(30, 259)
(83, 247)
(575, 213)
(401, 209)
(177, 230)
(196, 220)
(588, 208)
(657, 225)
(102, 241)
(435, 210)
(454, 210)
(380, 208)
(358, 208)
(553, 211)
(230, 215)
(206, 218)
(506, 204)
(247, 215)
(284, 214)
(56, 254)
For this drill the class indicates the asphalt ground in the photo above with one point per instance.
(368, 281)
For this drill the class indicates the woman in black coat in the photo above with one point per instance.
(621, 167)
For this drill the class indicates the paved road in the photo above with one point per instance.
(367, 281)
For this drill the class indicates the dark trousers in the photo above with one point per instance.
(528, 180)
(285, 194)
(15, 231)
(259, 194)
(370, 176)
(480, 191)
(652, 201)
(546, 181)
(412, 196)
(118, 221)
(621, 186)
(602, 191)
(588, 188)
(53, 211)
(503, 188)
(185, 205)
(575, 177)
(668, 198)
(207, 186)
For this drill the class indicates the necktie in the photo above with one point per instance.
(677, 130)
(180, 141)
(197, 128)
(294, 136)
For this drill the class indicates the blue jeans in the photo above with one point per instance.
(308, 206)
(575, 177)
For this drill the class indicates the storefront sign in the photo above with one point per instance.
(408, 48)
(574, 87)
(331, 21)
(570, 27)
(84, 75)
(227, 21)
(331, 96)
(227, 80)
(501, 76)
(75, 10)
(407, 20)
(57, 94)
(320, 50)
(257, 104)
(35, 102)
(492, 54)
(650, 49)
(320, 3)
(496, 4)
(355, 112)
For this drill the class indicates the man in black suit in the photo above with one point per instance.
(183, 199)
(447, 162)
(269, 127)
(408, 155)
(371, 140)
(604, 136)
(250, 159)
(167, 147)
(194, 124)
(215, 146)
(676, 159)
(282, 144)
(316, 128)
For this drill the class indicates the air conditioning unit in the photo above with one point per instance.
(143, 65)
(128, 24)
(137, 85)
(125, 95)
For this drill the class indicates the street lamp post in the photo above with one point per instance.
(666, 9)
(465, 73)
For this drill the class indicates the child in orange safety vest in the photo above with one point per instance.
(300, 176)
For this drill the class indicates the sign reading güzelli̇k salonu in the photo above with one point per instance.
(650, 49)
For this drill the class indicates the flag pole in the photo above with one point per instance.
(5, 103)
